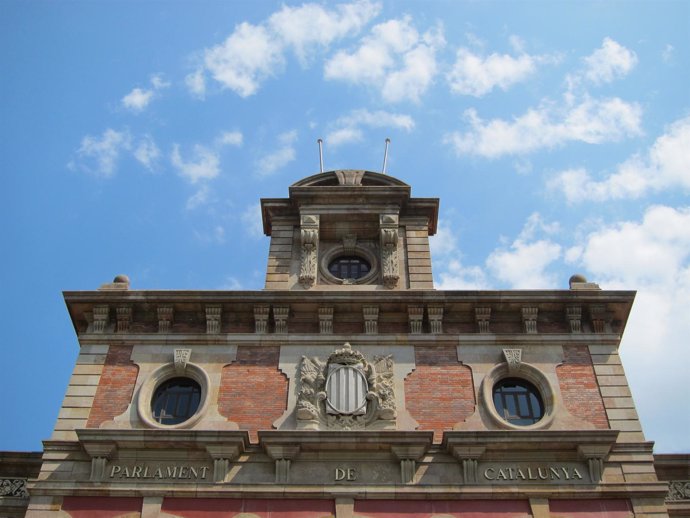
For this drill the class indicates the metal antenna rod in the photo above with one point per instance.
(385, 156)
(320, 153)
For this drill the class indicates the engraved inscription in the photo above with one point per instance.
(345, 474)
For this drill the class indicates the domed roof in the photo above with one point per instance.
(350, 177)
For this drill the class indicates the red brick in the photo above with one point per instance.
(439, 393)
(116, 386)
(253, 391)
(579, 388)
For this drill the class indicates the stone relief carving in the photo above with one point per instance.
(389, 249)
(678, 490)
(15, 487)
(309, 234)
(323, 402)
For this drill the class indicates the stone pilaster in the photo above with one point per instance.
(309, 236)
(389, 249)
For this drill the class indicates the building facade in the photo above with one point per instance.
(350, 387)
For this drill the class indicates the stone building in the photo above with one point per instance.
(349, 387)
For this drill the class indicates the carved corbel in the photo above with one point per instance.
(468, 457)
(222, 456)
(513, 359)
(181, 357)
(389, 249)
(574, 316)
(599, 317)
(124, 318)
(101, 316)
(261, 319)
(415, 315)
(371, 318)
(326, 320)
(309, 235)
(529, 319)
(435, 314)
(594, 454)
(408, 455)
(213, 314)
(349, 243)
(99, 452)
(483, 317)
(165, 319)
(282, 454)
(280, 317)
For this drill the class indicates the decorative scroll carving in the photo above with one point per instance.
(371, 317)
(597, 313)
(124, 318)
(389, 249)
(435, 314)
(181, 358)
(415, 315)
(101, 315)
(280, 317)
(483, 317)
(15, 487)
(513, 358)
(213, 314)
(678, 490)
(326, 320)
(309, 234)
(165, 319)
(529, 319)
(574, 316)
(323, 403)
(261, 319)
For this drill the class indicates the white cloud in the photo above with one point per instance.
(667, 53)
(451, 273)
(309, 25)
(247, 57)
(283, 155)
(592, 121)
(252, 222)
(253, 53)
(652, 256)
(665, 166)
(477, 75)
(99, 155)
(199, 198)
(196, 83)
(147, 153)
(523, 265)
(137, 99)
(348, 129)
(394, 58)
(230, 138)
(610, 61)
(204, 166)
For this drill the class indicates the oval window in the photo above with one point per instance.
(349, 267)
(518, 401)
(175, 401)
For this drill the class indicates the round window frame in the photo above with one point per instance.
(160, 376)
(530, 374)
(340, 251)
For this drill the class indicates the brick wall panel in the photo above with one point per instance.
(253, 391)
(579, 387)
(114, 392)
(439, 393)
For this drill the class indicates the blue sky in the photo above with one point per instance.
(138, 137)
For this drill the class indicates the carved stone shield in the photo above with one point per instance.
(346, 390)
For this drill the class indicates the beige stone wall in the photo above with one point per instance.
(81, 391)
